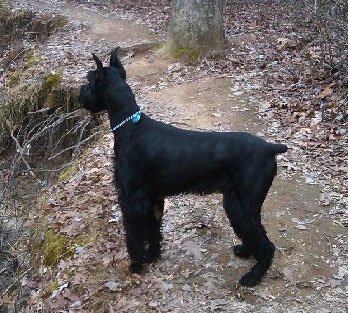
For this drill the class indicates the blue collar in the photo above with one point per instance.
(135, 119)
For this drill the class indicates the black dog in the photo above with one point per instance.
(155, 160)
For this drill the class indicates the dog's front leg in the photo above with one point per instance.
(142, 222)
(154, 235)
(134, 222)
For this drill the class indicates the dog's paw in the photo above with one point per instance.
(152, 255)
(249, 280)
(241, 251)
(151, 258)
(136, 267)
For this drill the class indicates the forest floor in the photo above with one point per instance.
(305, 213)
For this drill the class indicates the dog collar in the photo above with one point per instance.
(135, 118)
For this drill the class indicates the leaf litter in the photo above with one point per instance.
(197, 272)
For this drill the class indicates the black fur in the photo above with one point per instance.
(154, 160)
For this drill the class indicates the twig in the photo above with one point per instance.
(24, 50)
(21, 154)
(19, 157)
(75, 146)
(58, 169)
(39, 111)
(328, 239)
(36, 129)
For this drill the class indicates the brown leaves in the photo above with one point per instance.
(286, 43)
(7, 299)
(327, 91)
(270, 67)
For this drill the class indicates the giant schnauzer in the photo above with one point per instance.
(154, 160)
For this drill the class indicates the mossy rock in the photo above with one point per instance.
(49, 93)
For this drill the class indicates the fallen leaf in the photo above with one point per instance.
(326, 92)
(301, 227)
(112, 285)
(193, 249)
(7, 299)
(282, 43)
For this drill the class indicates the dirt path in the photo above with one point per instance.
(197, 272)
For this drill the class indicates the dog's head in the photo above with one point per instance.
(93, 95)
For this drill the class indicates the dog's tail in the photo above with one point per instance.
(276, 148)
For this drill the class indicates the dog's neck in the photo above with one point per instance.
(122, 110)
(135, 118)
(122, 120)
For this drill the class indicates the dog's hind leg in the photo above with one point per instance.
(154, 235)
(246, 223)
(252, 190)
(256, 240)
(233, 210)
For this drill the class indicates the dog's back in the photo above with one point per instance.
(172, 160)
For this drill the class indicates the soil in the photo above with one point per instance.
(198, 271)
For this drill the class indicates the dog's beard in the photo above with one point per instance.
(88, 99)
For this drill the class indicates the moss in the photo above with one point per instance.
(69, 273)
(48, 93)
(51, 80)
(192, 54)
(14, 78)
(32, 60)
(68, 173)
(56, 247)
(49, 290)
(85, 239)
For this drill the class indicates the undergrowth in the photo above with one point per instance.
(36, 108)
(24, 91)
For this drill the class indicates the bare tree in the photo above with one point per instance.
(197, 25)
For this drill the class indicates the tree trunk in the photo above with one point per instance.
(197, 25)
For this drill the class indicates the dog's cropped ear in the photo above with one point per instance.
(98, 62)
(101, 71)
(115, 62)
